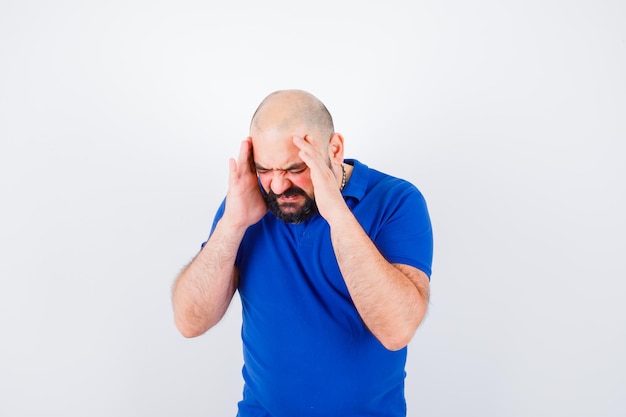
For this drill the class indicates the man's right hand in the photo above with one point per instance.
(244, 203)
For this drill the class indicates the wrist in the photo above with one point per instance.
(230, 226)
(339, 216)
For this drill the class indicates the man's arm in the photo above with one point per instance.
(204, 289)
(391, 299)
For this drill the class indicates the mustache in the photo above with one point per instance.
(308, 209)
(289, 192)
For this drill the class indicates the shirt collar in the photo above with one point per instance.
(357, 184)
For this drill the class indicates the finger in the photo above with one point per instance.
(232, 171)
(250, 161)
(310, 142)
(309, 154)
(299, 142)
(306, 151)
(243, 160)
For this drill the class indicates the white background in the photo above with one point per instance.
(116, 122)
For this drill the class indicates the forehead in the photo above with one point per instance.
(274, 148)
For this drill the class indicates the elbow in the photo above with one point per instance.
(399, 337)
(188, 328)
(190, 320)
(396, 342)
(189, 332)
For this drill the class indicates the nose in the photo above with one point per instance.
(279, 183)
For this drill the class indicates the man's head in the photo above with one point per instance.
(285, 178)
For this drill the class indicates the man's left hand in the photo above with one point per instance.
(323, 176)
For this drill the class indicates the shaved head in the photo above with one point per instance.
(285, 109)
(283, 175)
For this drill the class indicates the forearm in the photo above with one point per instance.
(391, 302)
(204, 289)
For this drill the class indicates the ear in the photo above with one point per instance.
(335, 148)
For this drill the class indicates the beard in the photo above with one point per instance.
(290, 212)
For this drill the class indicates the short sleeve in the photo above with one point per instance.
(405, 232)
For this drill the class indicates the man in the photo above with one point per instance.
(331, 260)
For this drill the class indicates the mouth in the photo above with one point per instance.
(292, 206)
(289, 198)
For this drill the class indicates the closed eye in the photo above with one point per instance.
(296, 171)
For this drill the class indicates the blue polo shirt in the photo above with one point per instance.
(306, 350)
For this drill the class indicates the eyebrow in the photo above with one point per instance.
(291, 167)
